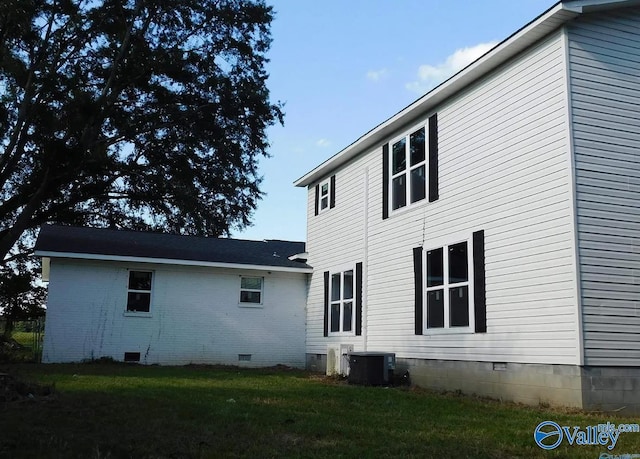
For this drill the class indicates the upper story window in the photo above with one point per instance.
(139, 291)
(410, 168)
(325, 195)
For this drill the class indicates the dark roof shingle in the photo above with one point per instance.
(122, 243)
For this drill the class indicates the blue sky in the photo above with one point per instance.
(341, 67)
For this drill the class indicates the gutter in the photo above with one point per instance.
(166, 261)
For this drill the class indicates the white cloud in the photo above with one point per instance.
(377, 75)
(323, 143)
(429, 76)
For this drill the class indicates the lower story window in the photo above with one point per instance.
(341, 310)
(251, 290)
(139, 291)
(448, 287)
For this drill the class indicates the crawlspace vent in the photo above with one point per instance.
(131, 356)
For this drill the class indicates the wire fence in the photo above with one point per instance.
(24, 342)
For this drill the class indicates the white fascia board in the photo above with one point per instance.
(553, 18)
(46, 264)
(166, 261)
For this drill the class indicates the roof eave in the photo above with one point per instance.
(552, 19)
(167, 261)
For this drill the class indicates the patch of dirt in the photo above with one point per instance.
(13, 389)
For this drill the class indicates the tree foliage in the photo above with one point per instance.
(147, 114)
(20, 297)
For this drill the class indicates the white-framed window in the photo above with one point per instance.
(325, 195)
(139, 291)
(408, 169)
(448, 281)
(251, 290)
(341, 302)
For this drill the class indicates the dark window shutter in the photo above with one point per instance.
(417, 278)
(479, 292)
(317, 199)
(332, 196)
(358, 299)
(385, 181)
(326, 303)
(433, 158)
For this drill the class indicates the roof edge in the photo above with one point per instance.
(169, 261)
(539, 27)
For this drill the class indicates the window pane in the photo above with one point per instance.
(348, 285)
(139, 280)
(346, 319)
(335, 287)
(253, 283)
(458, 263)
(335, 317)
(435, 309)
(416, 146)
(399, 156)
(249, 297)
(138, 301)
(399, 192)
(418, 184)
(435, 271)
(324, 203)
(459, 306)
(325, 189)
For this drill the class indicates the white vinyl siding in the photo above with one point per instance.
(604, 52)
(335, 239)
(503, 168)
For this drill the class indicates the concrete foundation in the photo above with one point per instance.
(589, 388)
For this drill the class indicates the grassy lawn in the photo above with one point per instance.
(24, 338)
(112, 410)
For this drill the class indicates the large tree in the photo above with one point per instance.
(20, 298)
(146, 114)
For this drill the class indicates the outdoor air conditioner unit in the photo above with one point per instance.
(338, 359)
(372, 368)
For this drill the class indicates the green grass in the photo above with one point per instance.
(114, 410)
(23, 338)
(30, 352)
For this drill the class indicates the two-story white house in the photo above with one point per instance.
(489, 233)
